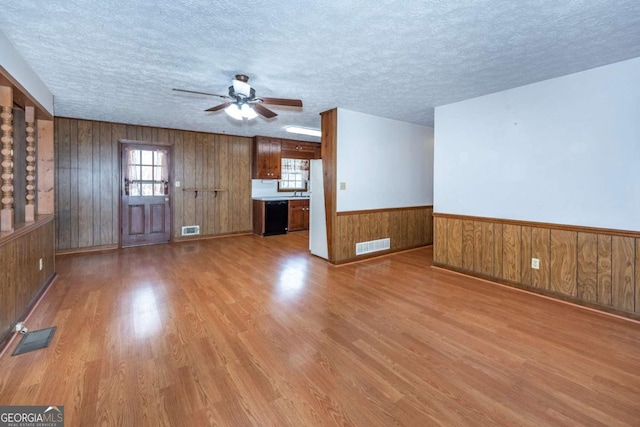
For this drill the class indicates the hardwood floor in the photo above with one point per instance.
(254, 331)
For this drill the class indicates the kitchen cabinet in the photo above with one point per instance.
(292, 149)
(269, 152)
(266, 158)
(258, 217)
(298, 215)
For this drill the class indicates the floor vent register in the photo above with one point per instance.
(373, 246)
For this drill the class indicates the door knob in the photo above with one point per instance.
(166, 199)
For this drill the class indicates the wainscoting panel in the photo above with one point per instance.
(468, 238)
(604, 270)
(587, 267)
(454, 242)
(564, 246)
(540, 249)
(622, 273)
(595, 267)
(440, 240)
(21, 280)
(525, 262)
(511, 247)
(498, 255)
(477, 246)
(406, 227)
(486, 250)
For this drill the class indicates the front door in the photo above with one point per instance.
(144, 185)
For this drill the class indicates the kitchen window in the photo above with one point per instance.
(294, 175)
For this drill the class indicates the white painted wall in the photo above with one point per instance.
(384, 163)
(17, 68)
(565, 151)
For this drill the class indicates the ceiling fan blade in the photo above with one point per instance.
(282, 101)
(264, 111)
(200, 93)
(219, 107)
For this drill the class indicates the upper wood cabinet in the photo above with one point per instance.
(300, 149)
(269, 152)
(266, 158)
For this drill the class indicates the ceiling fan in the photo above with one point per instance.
(242, 103)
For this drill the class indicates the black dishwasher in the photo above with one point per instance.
(276, 217)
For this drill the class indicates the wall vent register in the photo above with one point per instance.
(373, 246)
(190, 230)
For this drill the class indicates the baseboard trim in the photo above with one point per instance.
(90, 249)
(87, 250)
(379, 254)
(210, 236)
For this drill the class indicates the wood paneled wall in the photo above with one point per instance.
(329, 123)
(21, 279)
(213, 161)
(595, 267)
(406, 227)
(87, 174)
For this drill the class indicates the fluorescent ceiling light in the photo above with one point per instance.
(303, 131)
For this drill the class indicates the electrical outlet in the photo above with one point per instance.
(40, 264)
(535, 263)
(177, 184)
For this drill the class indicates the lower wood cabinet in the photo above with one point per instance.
(258, 217)
(298, 215)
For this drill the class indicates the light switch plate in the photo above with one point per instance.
(177, 184)
(343, 185)
(535, 263)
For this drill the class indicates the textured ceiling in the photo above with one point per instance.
(118, 60)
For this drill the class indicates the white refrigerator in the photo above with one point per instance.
(317, 218)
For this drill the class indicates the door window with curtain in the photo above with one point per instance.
(147, 172)
(294, 175)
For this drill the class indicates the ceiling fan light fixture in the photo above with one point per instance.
(242, 88)
(241, 102)
(303, 131)
(239, 113)
(248, 112)
(233, 111)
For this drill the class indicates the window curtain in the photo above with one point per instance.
(161, 160)
(133, 164)
(134, 161)
(304, 168)
(296, 166)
